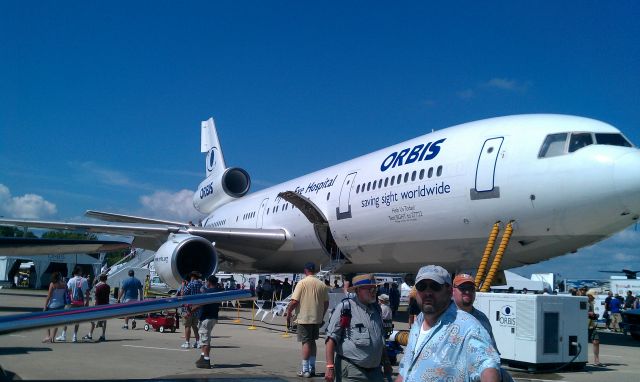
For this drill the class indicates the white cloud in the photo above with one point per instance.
(28, 206)
(506, 84)
(466, 94)
(170, 206)
(109, 176)
(624, 257)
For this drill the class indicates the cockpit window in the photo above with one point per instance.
(553, 145)
(612, 139)
(579, 140)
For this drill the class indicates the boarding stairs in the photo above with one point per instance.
(331, 267)
(138, 258)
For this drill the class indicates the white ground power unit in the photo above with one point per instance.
(535, 331)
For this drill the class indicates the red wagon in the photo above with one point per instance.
(161, 322)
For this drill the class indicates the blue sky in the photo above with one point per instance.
(100, 104)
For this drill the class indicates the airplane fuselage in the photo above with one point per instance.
(434, 199)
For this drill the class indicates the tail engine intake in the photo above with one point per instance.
(218, 190)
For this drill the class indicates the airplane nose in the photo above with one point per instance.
(626, 179)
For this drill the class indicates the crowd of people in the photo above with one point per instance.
(447, 341)
(76, 293)
(448, 337)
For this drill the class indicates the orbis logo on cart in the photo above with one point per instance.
(507, 316)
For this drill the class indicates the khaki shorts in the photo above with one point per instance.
(190, 322)
(204, 329)
(308, 332)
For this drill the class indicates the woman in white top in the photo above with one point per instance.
(56, 299)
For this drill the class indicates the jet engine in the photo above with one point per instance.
(182, 254)
(218, 190)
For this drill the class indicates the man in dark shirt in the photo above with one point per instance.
(101, 291)
(208, 319)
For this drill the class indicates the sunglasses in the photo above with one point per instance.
(433, 286)
(466, 288)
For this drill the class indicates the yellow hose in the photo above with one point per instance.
(498, 259)
(487, 253)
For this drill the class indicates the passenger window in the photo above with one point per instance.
(374, 185)
(380, 183)
(612, 139)
(430, 174)
(393, 180)
(328, 195)
(358, 189)
(439, 172)
(579, 140)
(399, 180)
(406, 177)
(386, 181)
(368, 186)
(413, 176)
(421, 174)
(553, 145)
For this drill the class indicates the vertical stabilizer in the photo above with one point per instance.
(211, 145)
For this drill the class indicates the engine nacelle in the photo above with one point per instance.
(183, 254)
(218, 190)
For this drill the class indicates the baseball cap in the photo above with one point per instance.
(310, 266)
(463, 278)
(435, 273)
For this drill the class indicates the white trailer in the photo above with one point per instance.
(536, 331)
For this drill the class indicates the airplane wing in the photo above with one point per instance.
(152, 235)
(20, 246)
(119, 218)
(18, 322)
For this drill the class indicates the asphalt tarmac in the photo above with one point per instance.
(238, 353)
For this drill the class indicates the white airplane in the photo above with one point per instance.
(564, 181)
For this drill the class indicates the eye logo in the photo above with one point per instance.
(506, 316)
(507, 310)
(211, 159)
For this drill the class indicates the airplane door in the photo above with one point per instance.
(261, 210)
(485, 172)
(343, 211)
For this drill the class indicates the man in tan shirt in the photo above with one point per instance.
(310, 299)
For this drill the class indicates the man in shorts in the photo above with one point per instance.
(192, 316)
(310, 299)
(208, 319)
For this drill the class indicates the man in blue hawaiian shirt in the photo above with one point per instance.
(446, 343)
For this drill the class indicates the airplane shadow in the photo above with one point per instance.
(232, 378)
(232, 366)
(617, 339)
(18, 310)
(224, 347)
(6, 375)
(23, 350)
(40, 296)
